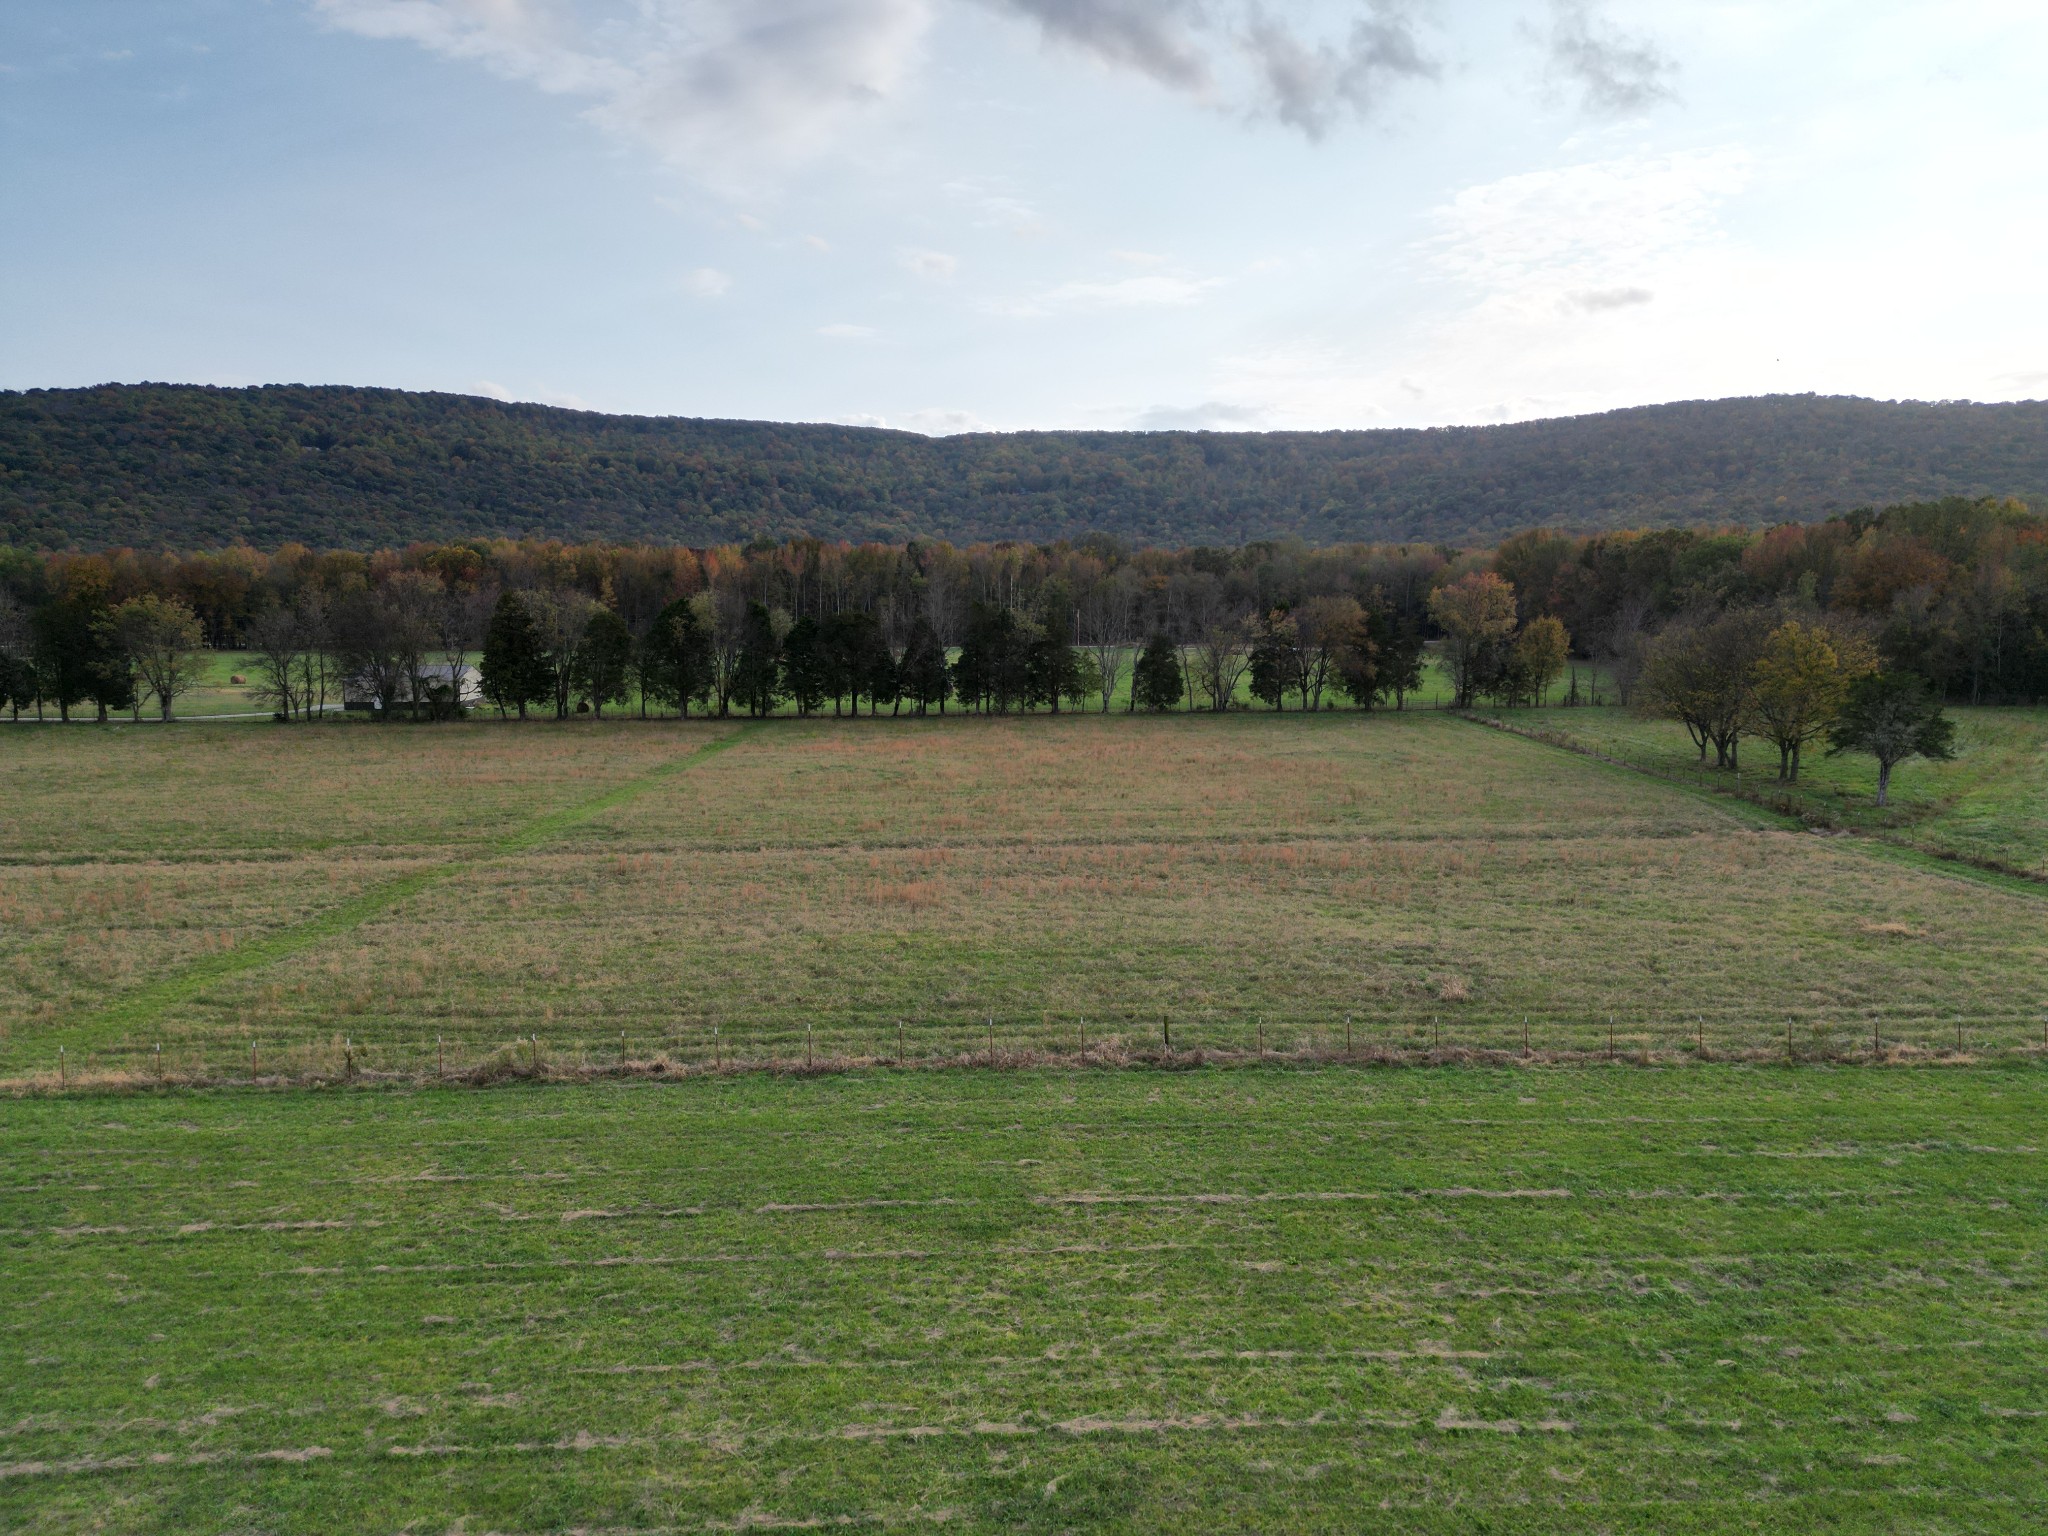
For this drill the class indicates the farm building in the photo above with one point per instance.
(440, 682)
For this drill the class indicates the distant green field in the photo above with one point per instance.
(1721, 1299)
(327, 894)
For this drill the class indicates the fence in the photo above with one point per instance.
(844, 1041)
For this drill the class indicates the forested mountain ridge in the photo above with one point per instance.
(160, 465)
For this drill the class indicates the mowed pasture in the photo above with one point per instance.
(1710, 1299)
(346, 896)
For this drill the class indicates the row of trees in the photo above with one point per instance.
(1790, 677)
(114, 656)
(719, 655)
(1956, 592)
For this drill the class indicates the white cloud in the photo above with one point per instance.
(720, 88)
(995, 210)
(730, 89)
(840, 331)
(707, 283)
(492, 390)
(1593, 301)
(935, 422)
(933, 266)
(1153, 291)
(1209, 416)
(1589, 228)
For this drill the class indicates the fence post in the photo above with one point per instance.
(1165, 1032)
(440, 1058)
(63, 1070)
(1347, 1034)
(1525, 1034)
(899, 1042)
(1875, 1043)
(1262, 1036)
(1610, 1037)
(808, 1033)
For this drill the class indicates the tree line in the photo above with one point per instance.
(1953, 592)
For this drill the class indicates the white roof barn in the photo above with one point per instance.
(359, 690)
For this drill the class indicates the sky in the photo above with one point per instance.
(951, 215)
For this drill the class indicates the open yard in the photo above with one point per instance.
(1711, 1299)
(355, 894)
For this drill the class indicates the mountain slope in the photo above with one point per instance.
(159, 465)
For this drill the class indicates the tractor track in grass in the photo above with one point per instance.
(137, 1008)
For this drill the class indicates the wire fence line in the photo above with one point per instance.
(842, 1040)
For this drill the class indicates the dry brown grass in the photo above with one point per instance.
(1239, 875)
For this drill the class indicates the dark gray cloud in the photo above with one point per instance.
(1239, 55)
(1154, 37)
(1309, 85)
(1614, 73)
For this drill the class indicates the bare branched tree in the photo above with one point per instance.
(1107, 616)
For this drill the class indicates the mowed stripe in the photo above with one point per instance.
(140, 1006)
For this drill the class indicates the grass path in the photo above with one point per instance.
(135, 1009)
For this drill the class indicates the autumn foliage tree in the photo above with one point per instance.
(1477, 615)
(1799, 684)
(161, 637)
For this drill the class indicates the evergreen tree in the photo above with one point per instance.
(1399, 663)
(860, 661)
(602, 660)
(1051, 664)
(76, 657)
(757, 675)
(991, 673)
(515, 670)
(17, 683)
(922, 673)
(1156, 684)
(675, 658)
(807, 670)
(1271, 669)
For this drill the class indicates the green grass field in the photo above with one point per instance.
(1683, 1290)
(793, 886)
(1716, 1299)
